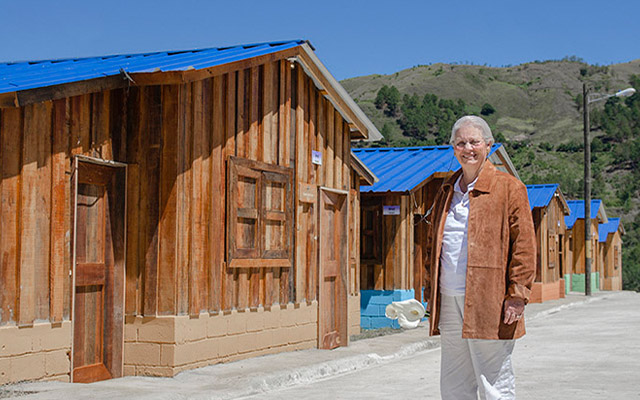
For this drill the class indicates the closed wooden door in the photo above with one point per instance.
(332, 299)
(98, 319)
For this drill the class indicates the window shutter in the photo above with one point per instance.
(277, 215)
(260, 214)
(244, 218)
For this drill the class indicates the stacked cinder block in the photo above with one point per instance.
(354, 315)
(373, 304)
(164, 346)
(41, 352)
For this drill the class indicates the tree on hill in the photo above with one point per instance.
(388, 100)
(487, 109)
(429, 117)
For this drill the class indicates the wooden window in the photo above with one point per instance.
(260, 208)
(371, 244)
(617, 259)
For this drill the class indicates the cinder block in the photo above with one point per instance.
(5, 367)
(193, 352)
(15, 341)
(228, 345)
(57, 362)
(156, 329)
(217, 325)
(247, 342)
(130, 332)
(168, 355)
(280, 336)
(57, 378)
(263, 340)
(129, 370)
(57, 337)
(290, 317)
(145, 370)
(237, 322)
(255, 320)
(304, 345)
(27, 367)
(142, 354)
(190, 329)
(272, 317)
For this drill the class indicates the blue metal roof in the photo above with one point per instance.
(541, 195)
(577, 211)
(400, 169)
(607, 228)
(17, 76)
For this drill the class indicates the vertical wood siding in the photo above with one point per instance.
(175, 139)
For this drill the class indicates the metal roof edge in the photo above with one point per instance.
(504, 157)
(363, 170)
(372, 133)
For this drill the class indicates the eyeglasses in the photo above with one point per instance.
(473, 143)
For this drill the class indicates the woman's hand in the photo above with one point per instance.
(513, 310)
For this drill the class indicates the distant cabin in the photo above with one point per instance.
(393, 221)
(549, 208)
(575, 227)
(165, 211)
(610, 254)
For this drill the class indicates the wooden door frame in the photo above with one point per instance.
(345, 267)
(74, 198)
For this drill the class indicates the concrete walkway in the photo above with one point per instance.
(269, 373)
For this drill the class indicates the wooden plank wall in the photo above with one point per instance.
(396, 269)
(175, 140)
(37, 143)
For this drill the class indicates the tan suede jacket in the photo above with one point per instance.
(501, 253)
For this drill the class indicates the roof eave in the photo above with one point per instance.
(502, 155)
(361, 126)
(363, 171)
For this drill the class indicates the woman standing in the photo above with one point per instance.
(481, 255)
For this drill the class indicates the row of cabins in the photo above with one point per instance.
(393, 228)
(170, 210)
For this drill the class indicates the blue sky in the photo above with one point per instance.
(352, 38)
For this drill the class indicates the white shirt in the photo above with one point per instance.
(453, 257)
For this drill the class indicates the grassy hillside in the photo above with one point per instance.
(538, 114)
(536, 100)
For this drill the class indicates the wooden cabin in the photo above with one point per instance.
(548, 208)
(393, 225)
(171, 210)
(610, 254)
(576, 233)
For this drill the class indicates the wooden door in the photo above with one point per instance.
(332, 299)
(99, 249)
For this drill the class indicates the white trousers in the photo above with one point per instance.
(469, 367)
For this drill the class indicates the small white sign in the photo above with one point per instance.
(390, 210)
(316, 157)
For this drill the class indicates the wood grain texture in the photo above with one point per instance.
(229, 148)
(151, 137)
(10, 138)
(184, 184)
(59, 206)
(167, 225)
(217, 181)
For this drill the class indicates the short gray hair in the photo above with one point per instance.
(477, 123)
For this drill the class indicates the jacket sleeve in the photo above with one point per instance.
(521, 269)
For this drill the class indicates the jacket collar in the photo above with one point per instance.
(484, 182)
(485, 179)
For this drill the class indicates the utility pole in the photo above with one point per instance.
(587, 194)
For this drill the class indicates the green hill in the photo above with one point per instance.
(536, 110)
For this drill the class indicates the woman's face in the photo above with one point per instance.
(470, 148)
